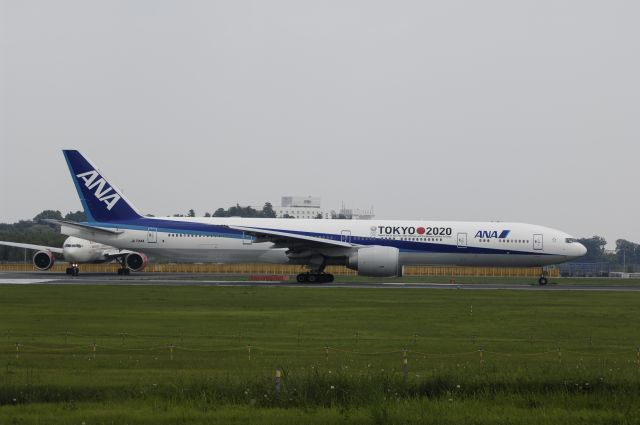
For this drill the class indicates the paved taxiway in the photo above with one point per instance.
(178, 279)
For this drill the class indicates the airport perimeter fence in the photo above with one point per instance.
(289, 271)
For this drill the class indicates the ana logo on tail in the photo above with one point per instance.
(103, 192)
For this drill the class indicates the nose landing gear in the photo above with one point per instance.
(544, 272)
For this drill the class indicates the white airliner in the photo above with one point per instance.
(372, 247)
(76, 251)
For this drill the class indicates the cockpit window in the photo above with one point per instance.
(570, 240)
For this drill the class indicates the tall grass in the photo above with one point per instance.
(472, 357)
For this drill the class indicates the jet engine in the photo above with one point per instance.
(376, 261)
(43, 260)
(136, 261)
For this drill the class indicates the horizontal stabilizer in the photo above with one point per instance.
(84, 227)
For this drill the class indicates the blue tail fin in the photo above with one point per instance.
(102, 201)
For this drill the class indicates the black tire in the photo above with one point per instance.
(75, 271)
(542, 281)
(326, 278)
(313, 278)
(301, 278)
(119, 272)
(68, 270)
(127, 272)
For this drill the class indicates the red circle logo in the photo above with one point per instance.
(420, 230)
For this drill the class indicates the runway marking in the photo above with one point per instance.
(24, 281)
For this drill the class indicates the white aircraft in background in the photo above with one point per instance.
(77, 251)
(372, 247)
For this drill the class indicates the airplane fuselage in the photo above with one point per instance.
(81, 251)
(419, 242)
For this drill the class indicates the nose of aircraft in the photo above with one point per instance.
(579, 249)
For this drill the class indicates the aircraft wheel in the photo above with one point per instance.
(542, 281)
(120, 272)
(75, 271)
(68, 270)
(127, 272)
(313, 278)
(325, 278)
(301, 278)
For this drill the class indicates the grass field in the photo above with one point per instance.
(205, 354)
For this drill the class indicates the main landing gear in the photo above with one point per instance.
(542, 281)
(314, 278)
(73, 270)
(123, 270)
(316, 272)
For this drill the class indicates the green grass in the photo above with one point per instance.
(472, 356)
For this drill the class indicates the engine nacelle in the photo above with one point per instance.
(136, 261)
(43, 260)
(376, 261)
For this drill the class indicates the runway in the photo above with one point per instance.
(181, 279)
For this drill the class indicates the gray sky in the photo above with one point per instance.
(463, 110)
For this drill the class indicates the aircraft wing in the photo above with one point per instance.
(286, 239)
(34, 247)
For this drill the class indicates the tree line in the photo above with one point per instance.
(237, 211)
(34, 231)
(240, 211)
(626, 254)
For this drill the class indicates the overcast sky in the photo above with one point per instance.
(462, 110)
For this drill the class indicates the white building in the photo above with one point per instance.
(356, 213)
(299, 207)
(310, 207)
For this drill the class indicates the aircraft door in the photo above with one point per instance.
(462, 240)
(345, 236)
(537, 242)
(246, 239)
(152, 235)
